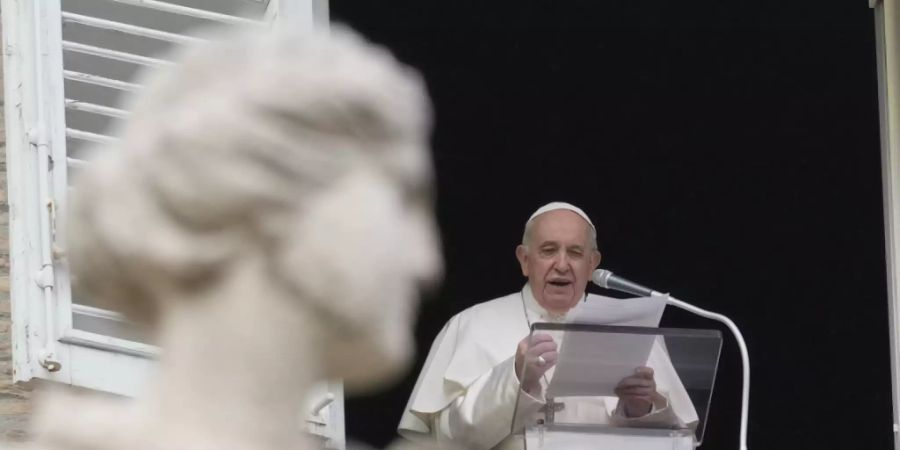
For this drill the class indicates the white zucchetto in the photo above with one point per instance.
(553, 206)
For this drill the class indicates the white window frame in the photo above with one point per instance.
(887, 41)
(44, 342)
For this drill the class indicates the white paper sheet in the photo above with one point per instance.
(593, 364)
(632, 312)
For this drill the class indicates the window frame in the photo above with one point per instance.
(887, 43)
(45, 344)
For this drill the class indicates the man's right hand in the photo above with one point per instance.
(539, 352)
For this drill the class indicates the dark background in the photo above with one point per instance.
(728, 152)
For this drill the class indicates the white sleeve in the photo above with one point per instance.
(659, 417)
(482, 417)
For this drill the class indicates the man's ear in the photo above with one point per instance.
(522, 256)
(595, 259)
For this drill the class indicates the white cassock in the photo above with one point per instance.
(466, 392)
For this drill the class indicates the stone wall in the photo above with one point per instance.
(15, 405)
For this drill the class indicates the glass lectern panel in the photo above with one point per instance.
(616, 380)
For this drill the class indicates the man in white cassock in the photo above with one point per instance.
(466, 393)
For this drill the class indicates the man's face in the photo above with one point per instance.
(559, 259)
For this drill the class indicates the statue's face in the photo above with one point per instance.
(368, 248)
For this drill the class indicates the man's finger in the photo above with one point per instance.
(635, 382)
(542, 348)
(537, 338)
(634, 392)
(636, 385)
(643, 398)
(544, 361)
(550, 358)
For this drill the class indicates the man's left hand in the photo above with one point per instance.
(638, 393)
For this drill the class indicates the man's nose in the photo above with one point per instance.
(562, 262)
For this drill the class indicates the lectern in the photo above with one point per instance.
(577, 406)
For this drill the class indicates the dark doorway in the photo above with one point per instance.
(728, 153)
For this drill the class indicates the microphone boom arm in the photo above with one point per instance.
(742, 345)
(605, 278)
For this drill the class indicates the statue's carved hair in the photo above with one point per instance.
(228, 144)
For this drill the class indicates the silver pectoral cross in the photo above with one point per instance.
(550, 409)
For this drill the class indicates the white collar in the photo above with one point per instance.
(537, 313)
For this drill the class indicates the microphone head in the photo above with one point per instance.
(600, 277)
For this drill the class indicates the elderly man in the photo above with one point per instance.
(468, 387)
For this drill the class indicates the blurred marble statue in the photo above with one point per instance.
(267, 212)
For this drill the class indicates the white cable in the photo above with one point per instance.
(745, 357)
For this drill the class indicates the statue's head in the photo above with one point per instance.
(307, 151)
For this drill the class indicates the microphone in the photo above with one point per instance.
(606, 279)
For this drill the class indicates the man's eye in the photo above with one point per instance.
(548, 251)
